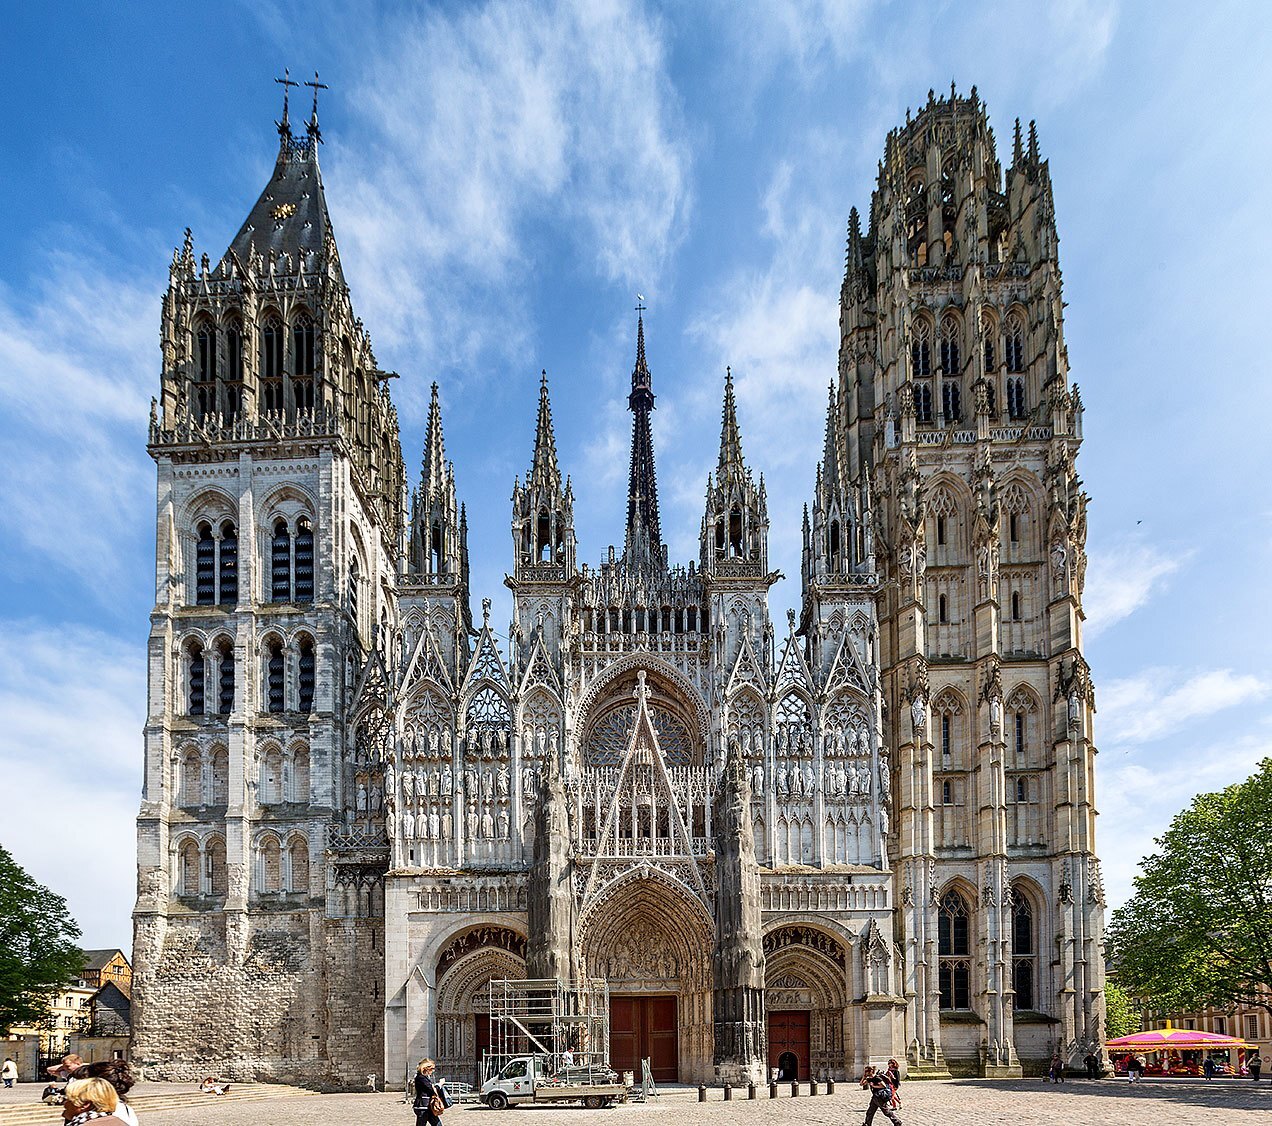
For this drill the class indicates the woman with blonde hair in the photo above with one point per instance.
(428, 1096)
(90, 1100)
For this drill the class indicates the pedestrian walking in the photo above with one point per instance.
(9, 1072)
(1092, 1065)
(1255, 1064)
(1134, 1069)
(894, 1077)
(881, 1092)
(1208, 1068)
(1056, 1073)
(428, 1096)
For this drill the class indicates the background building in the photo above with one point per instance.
(864, 833)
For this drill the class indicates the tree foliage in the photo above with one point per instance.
(38, 952)
(1121, 1014)
(1198, 930)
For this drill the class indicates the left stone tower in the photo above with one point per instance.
(258, 944)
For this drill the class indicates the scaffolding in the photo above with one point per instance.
(565, 1025)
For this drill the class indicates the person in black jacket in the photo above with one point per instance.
(425, 1089)
(876, 1082)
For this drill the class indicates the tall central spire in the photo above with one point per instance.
(644, 537)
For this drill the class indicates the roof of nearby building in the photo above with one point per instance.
(97, 959)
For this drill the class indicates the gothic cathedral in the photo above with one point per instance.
(866, 831)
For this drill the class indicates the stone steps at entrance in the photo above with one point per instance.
(27, 1113)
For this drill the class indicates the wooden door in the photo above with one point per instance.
(482, 1041)
(788, 1035)
(643, 1027)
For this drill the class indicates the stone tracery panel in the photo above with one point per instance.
(608, 738)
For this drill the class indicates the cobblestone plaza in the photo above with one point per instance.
(959, 1103)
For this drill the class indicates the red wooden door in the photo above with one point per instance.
(788, 1035)
(643, 1027)
(482, 1041)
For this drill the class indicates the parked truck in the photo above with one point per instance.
(549, 1043)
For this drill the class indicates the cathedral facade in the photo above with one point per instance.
(863, 832)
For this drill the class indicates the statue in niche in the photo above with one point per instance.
(434, 780)
(885, 779)
(448, 781)
(487, 824)
(995, 713)
(504, 823)
(487, 785)
(432, 742)
(470, 822)
(361, 799)
(553, 741)
(527, 780)
(421, 825)
(408, 786)
(502, 782)
(863, 780)
(375, 797)
(781, 738)
(405, 826)
(757, 780)
(390, 782)
(470, 781)
(918, 714)
(810, 780)
(448, 825)
(434, 824)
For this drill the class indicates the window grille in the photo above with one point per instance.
(306, 679)
(225, 684)
(205, 568)
(275, 677)
(196, 679)
(304, 555)
(923, 402)
(280, 563)
(229, 564)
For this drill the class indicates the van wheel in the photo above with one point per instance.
(593, 1102)
(498, 1100)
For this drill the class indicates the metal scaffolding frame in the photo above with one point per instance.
(548, 1018)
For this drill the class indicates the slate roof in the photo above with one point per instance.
(96, 959)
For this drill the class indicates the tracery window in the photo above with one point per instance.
(205, 369)
(951, 401)
(921, 349)
(232, 402)
(272, 340)
(1017, 407)
(951, 352)
(954, 951)
(1014, 344)
(1024, 953)
(923, 402)
(608, 739)
(303, 355)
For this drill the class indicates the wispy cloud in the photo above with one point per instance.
(70, 755)
(1159, 702)
(1122, 577)
(517, 119)
(78, 362)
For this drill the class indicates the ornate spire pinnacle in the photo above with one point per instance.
(730, 438)
(433, 471)
(1017, 147)
(544, 470)
(644, 537)
(832, 476)
(284, 126)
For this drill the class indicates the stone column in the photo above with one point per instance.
(550, 952)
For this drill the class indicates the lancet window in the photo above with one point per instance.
(951, 352)
(921, 349)
(1024, 952)
(305, 679)
(303, 359)
(232, 383)
(1014, 344)
(225, 677)
(275, 675)
(196, 672)
(272, 346)
(216, 564)
(205, 369)
(954, 951)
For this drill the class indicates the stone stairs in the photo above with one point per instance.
(37, 1113)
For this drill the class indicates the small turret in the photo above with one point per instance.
(437, 547)
(542, 508)
(735, 527)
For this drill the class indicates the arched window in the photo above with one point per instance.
(436, 557)
(719, 536)
(214, 867)
(942, 609)
(735, 532)
(989, 349)
(270, 790)
(355, 581)
(220, 776)
(947, 792)
(303, 353)
(225, 677)
(951, 352)
(190, 778)
(835, 545)
(1024, 953)
(947, 724)
(1014, 344)
(205, 369)
(916, 222)
(951, 401)
(269, 864)
(543, 537)
(205, 567)
(298, 864)
(923, 402)
(280, 563)
(299, 775)
(275, 678)
(1017, 407)
(305, 680)
(272, 340)
(188, 867)
(921, 349)
(954, 949)
(232, 399)
(228, 569)
(195, 678)
(1020, 726)
(1015, 605)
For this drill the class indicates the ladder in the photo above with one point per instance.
(647, 1085)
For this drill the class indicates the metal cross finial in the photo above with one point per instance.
(285, 82)
(313, 120)
(640, 302)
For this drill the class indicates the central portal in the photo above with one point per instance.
(788, 1045)
(644, 1027)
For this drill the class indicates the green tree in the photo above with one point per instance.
(1121, 1014)
(38, 953)
(1198, 930)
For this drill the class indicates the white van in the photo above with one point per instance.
(526, 1079)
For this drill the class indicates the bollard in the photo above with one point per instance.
(830, 1086)
(773, 1089)
(728, 1092)
(794, 1088)
(702, 1092)
(750, 1091)
(812, 1087)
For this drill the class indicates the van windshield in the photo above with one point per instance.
(515, 1070)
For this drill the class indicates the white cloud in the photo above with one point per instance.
(78, 363)
(1157, 702)
(1121, 578)
(70, 756)
(514, 116)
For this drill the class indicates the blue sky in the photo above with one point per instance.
(503, 179)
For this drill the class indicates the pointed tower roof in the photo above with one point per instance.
(544, 470)
(731, 460)
(644, 536)
(433, 471)
(291, 215)
(832, 475)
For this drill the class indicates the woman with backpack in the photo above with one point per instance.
(881, 1095)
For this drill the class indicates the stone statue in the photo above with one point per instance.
(918, 714)
(471, 822)
(448, 781)
(361, 799)
(448, 825)
(502, 781)
(504, 825)
(434, 824)
(487, 785)
(487, 824)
